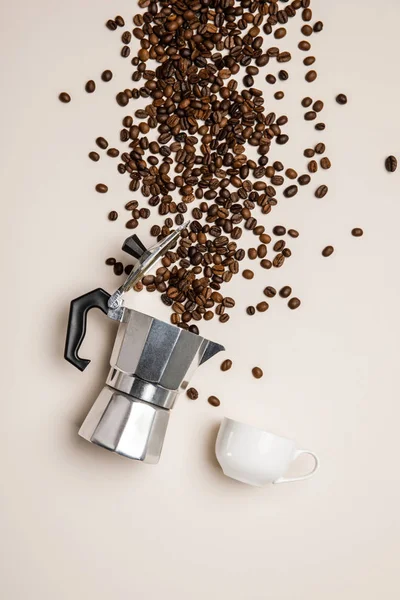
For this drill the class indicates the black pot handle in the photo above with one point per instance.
(77, 324)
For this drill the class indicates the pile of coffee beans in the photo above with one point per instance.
(186, 153)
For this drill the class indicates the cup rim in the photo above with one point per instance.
(254, 428)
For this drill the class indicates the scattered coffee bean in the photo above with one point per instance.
(306, 30)
(119, 21)
(294, 303)
(94, 156)
(110, 261)
(308, 152)
(279, 230)
(262, 306)
(357, 232)
(278, 95)
(64, 97)
(310, 115)
(265, 263)
(304, 45)
(391, 163)
(214, 401)
(341, 99)
(318, 105)
(311, 76)
(327, 251)
(113, 215)
(320, 148)
(257, 372)
(226, 365)
(321, 191)
(192, 393)
(106, 75)
(320, 126)
(111, 25)
(304, 179)
(290, 191)
(122, 99)
(90, 86)
(318, 26)
(325, 163)
(309, 60)
(102, 143)
(280, 33)
(312, 166)
(291, 173)
(102, 188)
(113, 152)
(306, 102)
(285, 291)
(248, 274)
(250, 310)
(118, 268)
(270, 291)
(293, 233)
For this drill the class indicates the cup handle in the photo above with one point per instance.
(315, 467)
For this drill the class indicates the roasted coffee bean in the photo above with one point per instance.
(294, 303)
(248, 274)
(106, 75)
(122, 99)
(278, 95)
(318, 105)
(304, 179)
(306, 30)
(280, 33)
(90, 86)
(321, 191)
(312, 166)
(194, 329)
(293, 233)
(128, 270)
(126, 37)
(132, 224)
(341, 99)
(309, 60)
(110, 261)
(94, 156)
(257, 372)
(285, 291)
(310, 115)
(64, 97)
(357, 232)
(113, 152)
(318, 26)
(118, 268)
(262, 251)
(325, 163)
(111, 25)
(290, 191)
(214, 401)
(327, 251)
(282, 139)
(270, 291)
(102, 188)
(224, 318)
(279, 230)
(113, 215)
(102, 143)
(278, 260)
(132, 205)
(119, 21)
(309, 152)
(320, 148)
(306, 102)
(192, 393)
(262, 306)
(265, 238)
(252, 253)
(265, 263)
(306, 15)
(311, 76)
(391, 163)
(251, 310)
(226, 365)
(291, 173)
(283, 76)
(304, 45)
(279, 245)
(270, 79)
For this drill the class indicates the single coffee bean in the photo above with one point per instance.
(248, 274)
(310, 115)
(262, 251)
(327, 251)
(111, 25)
(265, 238)
(286, 252)
(320, 126)
(294, 303)
(341, 99)
(125, 51)
(118, 268)
(192, 393)
(290, 191)
(252, 253)
(291, 173)
(306, 15)
(304, 45)
(132, 224)
(318, 105)
(64, 97)
(94, 156)
(320, 148)
(280, 33)
(110, 261)
(357, 232)
(321, 191)
(113, 152)
(270, 291)
(102, 143)
(309, 60)
(279, 230)
(126, 37)
(306, 102)
(257, 372)
(262, 306)
(285, 291)
(312, 166)
(214, 401)
(102, 188)
(278, 95)
(265, 263)
(391, 163)
(194, 329)
(325, 163)
(283, 76)
(251, 310)
(309, 152)
(293, 233)
(106, 75)
(279, 245)
(318, 26)
(128, 270)
(270, 79)
(311, 76)
(122, 99)
(90, 86)
(304, 179)
(113, 215)
(278, 260)
(282, 139)
(119, 21)
(226, 365)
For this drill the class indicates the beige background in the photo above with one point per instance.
(78, 522)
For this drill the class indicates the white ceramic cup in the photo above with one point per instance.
(256, 457)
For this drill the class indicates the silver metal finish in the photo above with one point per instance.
(150, 362)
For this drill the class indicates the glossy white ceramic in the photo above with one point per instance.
(256, 457)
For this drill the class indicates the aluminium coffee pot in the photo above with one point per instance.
(150, 362)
